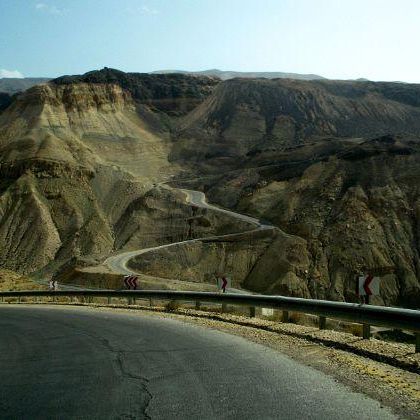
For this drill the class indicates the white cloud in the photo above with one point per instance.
(10, 73)
(146, 10)
(49, 8)
(143, 10)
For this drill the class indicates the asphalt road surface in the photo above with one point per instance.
(61, 362)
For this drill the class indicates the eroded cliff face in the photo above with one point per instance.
(80, 165)
(244, 118)
(72, 159)
(84, 125)
(84, 161)
(356, 209)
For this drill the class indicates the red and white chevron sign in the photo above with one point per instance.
(368, 285)
(130, 282)
(224, 283)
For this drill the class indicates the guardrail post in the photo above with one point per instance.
(285, 316)
(19, 300)
(53, 298)
(322, 322)
(366, 331)
(252, 311)
(150, 302)
(197, 305)
(224, 307)
(417, 342)
(109, 300)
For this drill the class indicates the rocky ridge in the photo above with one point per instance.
(332, 164)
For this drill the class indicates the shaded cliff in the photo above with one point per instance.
(246, 117)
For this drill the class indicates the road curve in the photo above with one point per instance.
(118, 263)
(61, 362)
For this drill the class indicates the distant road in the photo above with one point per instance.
(61, 362)
(118, 263)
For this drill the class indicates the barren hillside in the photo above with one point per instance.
(333, 165)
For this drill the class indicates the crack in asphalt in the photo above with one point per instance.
(119, 361)
(127, 374)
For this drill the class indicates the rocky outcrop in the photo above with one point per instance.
(173, 94)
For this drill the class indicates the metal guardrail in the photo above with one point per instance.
(397, 318)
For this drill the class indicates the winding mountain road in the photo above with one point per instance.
(118, 263)
(81, 363)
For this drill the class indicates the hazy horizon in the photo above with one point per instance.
(344, 39)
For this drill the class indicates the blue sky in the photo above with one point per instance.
(334, 38)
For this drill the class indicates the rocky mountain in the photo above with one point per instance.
(79, 163)
(11, 85)
(244, 118)
(226, 74)
(90, 164)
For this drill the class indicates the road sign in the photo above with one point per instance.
(368, 285)
(130, 282)
(224, 283)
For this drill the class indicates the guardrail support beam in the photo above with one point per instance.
(224, 307)
(285, 316)
(322, 322)
(366, 331)
(197, 305)
(252, 311)
(109, 300)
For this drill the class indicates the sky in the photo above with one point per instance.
(338, 39)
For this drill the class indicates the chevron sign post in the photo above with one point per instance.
(224, 283)
(368, 285)
(130, 282)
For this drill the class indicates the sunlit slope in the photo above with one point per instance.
(82, 125)
(72, 159)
